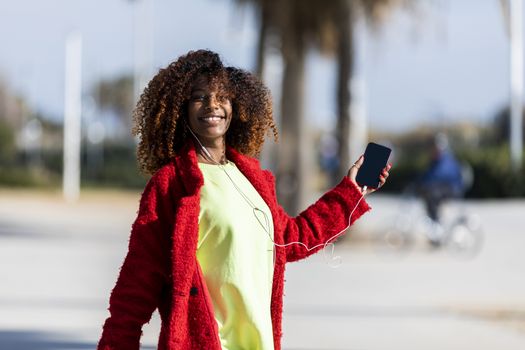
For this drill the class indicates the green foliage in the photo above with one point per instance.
(491, 167)
(35, 177)
(493, 173)
(7, 143)
(117, 169)
(500, 130)
(403, 173)
(116, 95)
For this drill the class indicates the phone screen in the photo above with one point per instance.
(376, 158)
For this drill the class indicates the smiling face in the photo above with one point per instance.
(209, 111)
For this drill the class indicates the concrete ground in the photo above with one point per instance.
(58, 263)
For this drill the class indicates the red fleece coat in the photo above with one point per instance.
(161, 269)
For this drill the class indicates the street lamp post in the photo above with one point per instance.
(143, 44)
(72, 112)
(516, 82)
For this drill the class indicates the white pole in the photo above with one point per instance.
(516, 82)
(143, 45)
(72, 111)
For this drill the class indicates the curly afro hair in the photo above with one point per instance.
(160, 114)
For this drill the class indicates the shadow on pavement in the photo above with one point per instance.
(29, 340)
(36, 340)
(13, 230)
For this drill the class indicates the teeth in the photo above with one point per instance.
(212, 118)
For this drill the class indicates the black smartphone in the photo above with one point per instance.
(376, 158)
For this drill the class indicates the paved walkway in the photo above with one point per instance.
(58, 263)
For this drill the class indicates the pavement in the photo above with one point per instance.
(59, 262)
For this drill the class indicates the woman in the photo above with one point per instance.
(210, 242)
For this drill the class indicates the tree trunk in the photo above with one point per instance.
(290, 180)
(261, 43)
(345, 60)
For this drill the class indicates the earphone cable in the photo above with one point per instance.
(266, 227)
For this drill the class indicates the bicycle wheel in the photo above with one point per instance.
(465, 237)
(399, 237)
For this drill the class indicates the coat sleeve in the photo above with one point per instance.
(322, 220)
(145, 271)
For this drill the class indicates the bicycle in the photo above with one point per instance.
(459, 231)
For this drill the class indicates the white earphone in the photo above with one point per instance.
(202, 146)
(333, 261)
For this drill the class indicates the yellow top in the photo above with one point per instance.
(236, 257)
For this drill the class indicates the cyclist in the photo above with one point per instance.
(440, 181)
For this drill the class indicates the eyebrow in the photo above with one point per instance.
(204, 90)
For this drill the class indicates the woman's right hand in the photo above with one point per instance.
(352, 174)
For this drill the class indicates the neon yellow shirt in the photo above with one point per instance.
(236, 257)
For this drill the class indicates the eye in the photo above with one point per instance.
(197, 98)
(222, 98)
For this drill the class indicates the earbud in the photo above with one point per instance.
(200, 144)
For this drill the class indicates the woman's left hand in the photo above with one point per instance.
(352, 174)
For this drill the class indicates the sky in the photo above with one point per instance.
(445, 61)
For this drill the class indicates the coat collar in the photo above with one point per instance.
(261, 180)
(187, 167)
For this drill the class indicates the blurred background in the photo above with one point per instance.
(436, 264)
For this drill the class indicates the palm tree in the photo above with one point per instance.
(347, 12)
(116, 95)
(296, 26)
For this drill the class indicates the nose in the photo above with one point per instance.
(213, 102)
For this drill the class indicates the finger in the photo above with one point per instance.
(360, 161)
(382, 179)
(352, 173)
(387, 168)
